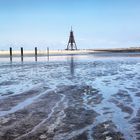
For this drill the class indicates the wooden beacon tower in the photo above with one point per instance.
(71, 43)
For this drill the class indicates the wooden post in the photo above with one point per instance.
(35, 53)
(48, 52)
(21, 54)
(10, 54)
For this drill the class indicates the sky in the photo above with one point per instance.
(47, 23)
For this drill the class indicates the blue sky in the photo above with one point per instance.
(46, 23)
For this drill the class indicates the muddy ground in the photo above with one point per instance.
(59, 115)
(70, 100)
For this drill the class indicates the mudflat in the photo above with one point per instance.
(71, 99)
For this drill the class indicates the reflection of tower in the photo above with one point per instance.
(71, 44)
(72, 66)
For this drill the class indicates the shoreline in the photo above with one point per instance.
(26, 53)
(118, 50)
(44, 52)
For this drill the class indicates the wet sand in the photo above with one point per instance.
(70, 100)
(59, 115)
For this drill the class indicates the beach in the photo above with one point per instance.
(43, 52)
(15, 53)
(71, 97)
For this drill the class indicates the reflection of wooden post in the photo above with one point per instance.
(21, 54)
(48, 52)
(10, 54)
(35, 53)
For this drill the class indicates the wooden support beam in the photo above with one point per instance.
(10, 54)
(35, 53)
(48, 52)
(21, 54)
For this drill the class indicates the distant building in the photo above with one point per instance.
(71, 43)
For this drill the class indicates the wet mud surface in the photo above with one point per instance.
(70, 100)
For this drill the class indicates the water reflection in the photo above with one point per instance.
(72, 65)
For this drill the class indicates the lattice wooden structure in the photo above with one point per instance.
(71, 43)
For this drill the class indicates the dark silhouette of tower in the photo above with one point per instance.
(71, 43)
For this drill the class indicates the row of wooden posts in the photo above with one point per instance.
(22, 53)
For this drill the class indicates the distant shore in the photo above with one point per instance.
(66, 52)
(118, 50)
